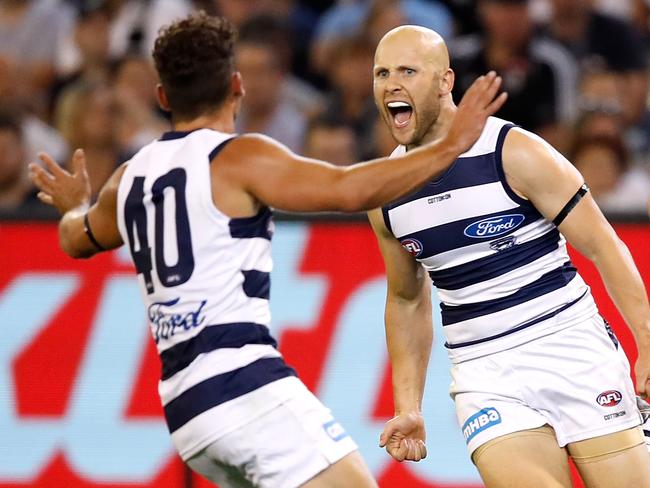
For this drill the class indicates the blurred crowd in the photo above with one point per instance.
(78, 73)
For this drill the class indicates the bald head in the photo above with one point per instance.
(412, 83)
(426, 44)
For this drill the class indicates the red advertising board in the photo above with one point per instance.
(78, 388)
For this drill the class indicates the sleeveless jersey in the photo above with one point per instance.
(502, 272)
(205, 282)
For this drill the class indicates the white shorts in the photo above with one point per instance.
(283, 448)
(577, 380)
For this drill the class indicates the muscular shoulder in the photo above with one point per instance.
(537, 171)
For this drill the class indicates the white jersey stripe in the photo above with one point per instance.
(418, 215)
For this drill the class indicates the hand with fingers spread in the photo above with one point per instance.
(404, 437)
(58, 187)
(477, 105)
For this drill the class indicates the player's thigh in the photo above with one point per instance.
(349, 472)
(617, 460)
(219, 473)
(525, 459)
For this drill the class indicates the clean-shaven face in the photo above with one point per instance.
(409, 64)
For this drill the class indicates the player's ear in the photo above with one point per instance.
(237, 85)
(161, 96)
(447, 82)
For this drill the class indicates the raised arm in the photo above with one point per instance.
(409, 334)
(278, 178)
(84, 230)
(538, 172)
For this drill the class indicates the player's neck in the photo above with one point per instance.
(440, 127)
(222, 120)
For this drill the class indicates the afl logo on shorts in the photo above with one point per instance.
(609, 398)
(493, 226)
(413, 247)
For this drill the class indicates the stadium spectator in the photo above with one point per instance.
(29, 34)
(331, 139)
(616, 184)
(16, 191)
(133, 27)
(276, 104)
(538, 74)
(139, 119)
(86, 116)
(597, 40)
(350, 76)
(91, 39)
(346, 19)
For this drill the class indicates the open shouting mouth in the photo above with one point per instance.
(400, 112)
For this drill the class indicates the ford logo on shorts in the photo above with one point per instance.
(493, 226)
(609, 398)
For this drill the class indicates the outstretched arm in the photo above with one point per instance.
(541, 174)
(275, 176)
(70, 194)
(409, 334)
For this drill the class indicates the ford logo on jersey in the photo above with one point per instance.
(493, 226)
(609, 398)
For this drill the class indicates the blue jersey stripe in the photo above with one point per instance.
(494, 265)
(464, 173)
(218, 149)
(222, 388)
(257, 284)
(213, 337)
(551, 281)
(518, 328)
(450, 236)
(255, 226)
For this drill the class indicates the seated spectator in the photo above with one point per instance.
(331, 139)
(29, 34)
(538, 74)
(17, 195)
(601, 41)
(270, 106)
(139, 120)
(346, 19)
(616, 186)
(133, 27)
(90, 37)
(350, 76)
(86, 116)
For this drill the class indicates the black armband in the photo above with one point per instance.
(90, 234)
(582, 191)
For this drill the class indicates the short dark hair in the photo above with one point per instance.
(270, 32)
(194, 58)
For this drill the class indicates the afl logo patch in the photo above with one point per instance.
(412, 246)
(609, 398)
(493, 226)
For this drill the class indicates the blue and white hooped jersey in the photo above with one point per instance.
(205, 280)
(502, 272)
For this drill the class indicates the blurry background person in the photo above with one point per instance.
(139, 119)
(331, 139)
(348, 19)
(599, 40)
(616, 184)
(538, 73)
(86, 116)
(349, 73)
(269, 107)
(17, 194)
